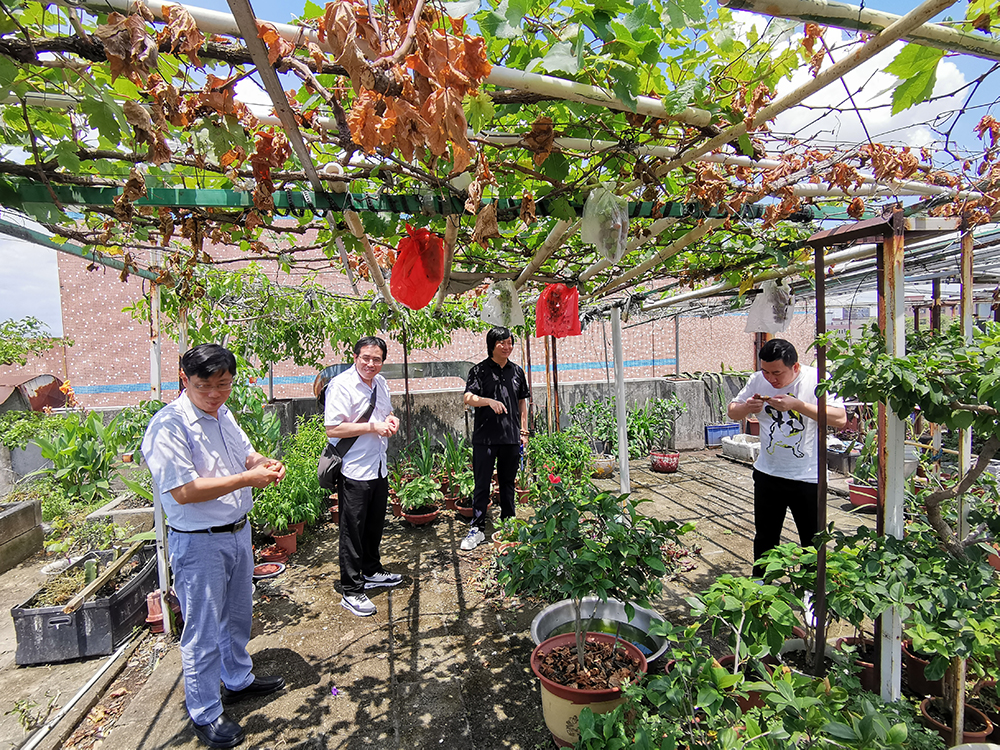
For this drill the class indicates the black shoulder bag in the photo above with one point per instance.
(332, 457)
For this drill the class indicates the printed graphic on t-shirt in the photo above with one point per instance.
(787, 431)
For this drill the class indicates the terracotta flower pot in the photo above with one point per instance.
(561, 705)
(335, 514)
(286, 541)
(450, 502)
(397, 509)
(521, 495)
(914, 666)
(419, 519)
(861, 495)
(299, 528)
(465, 511)
(867, 675)
(272, 553)
(971, 713)
(664, 462)
(753, 698)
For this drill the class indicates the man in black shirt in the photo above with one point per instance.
(498, 390)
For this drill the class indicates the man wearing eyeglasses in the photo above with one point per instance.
(203, 468)
(363, 490)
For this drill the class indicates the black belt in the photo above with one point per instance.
(224, 529)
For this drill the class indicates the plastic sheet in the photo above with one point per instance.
(558, 311)
(419, 268)
(605, 223)
(771, 310)
(502, 308)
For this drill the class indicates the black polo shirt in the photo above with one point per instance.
(507, 385)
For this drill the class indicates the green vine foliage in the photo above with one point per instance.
(947, 378)
(27, 337)
(18, 428)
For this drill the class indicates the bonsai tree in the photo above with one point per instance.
(590, 543)
(663, 414)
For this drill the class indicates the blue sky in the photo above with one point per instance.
(29, 280)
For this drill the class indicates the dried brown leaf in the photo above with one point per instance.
(541, 139)
(182, 33)
(486, 226)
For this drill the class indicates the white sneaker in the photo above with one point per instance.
(474, 538)
(385, 578)
(358, 604)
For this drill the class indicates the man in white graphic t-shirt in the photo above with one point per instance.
(783, 396)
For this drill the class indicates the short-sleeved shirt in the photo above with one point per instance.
(183, 443)
(347, 398)
(787, 439)
(507, 385)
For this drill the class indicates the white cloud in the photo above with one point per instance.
(869, 87)
(29, 283)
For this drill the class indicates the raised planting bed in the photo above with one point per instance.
(21, 532)
(46, 634)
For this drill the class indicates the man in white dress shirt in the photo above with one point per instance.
(363, 490)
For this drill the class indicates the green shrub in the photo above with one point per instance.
(18, 428)
(82, 456)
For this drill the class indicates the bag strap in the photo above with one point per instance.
(345, 445)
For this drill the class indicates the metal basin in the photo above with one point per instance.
(561, 614)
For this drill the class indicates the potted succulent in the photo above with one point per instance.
(581, 543)
(663, 413)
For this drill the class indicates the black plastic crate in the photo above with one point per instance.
(47, 634)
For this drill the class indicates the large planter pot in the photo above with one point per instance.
(914, 666)
(557, 619)
(299, 528)
(561, 705)
(946, 731)
(665, 463)
(419, 519)
(862, 495)
(867, 674)
(450, 502)
(603, 467)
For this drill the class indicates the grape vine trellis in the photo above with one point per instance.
(445, 101)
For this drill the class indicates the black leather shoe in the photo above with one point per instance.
(260, 686)
(223, 732)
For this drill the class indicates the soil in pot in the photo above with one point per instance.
(801, 661)
(61, 588)
(608, 666)
(626, 632)
(977, 726)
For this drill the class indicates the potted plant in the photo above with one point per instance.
(507, 532)
(456, 458)
(663, 414)
(579, 544)
(597, 422)
(420, 499)
(863, 484)
(464, 484)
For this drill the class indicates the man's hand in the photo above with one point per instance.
(785, 403)
(393, 421)
(755, 404)
(265, 473)
(386, 428)
(497, 406)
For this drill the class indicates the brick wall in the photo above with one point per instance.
(109, 363)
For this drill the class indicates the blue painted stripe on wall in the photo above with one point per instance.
(301, 379)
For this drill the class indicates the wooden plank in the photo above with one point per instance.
(77, 601)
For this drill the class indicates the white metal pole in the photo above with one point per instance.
(895, 342)
(616, 342)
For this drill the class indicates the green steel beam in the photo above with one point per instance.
(15, 193)
(37, 238)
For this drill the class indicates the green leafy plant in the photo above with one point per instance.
(596, 419)
(563, 453)
(663, 414)
(82, 456)
(18, 428)
(27, 337)
(463, 484)
(247, 402)
(31, 715)
(298, 497)
(422, 491)
(592, 543)
(129, 425)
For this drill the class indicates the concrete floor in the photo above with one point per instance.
(439, 664)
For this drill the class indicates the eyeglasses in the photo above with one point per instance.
(371, 360)
(208, 387)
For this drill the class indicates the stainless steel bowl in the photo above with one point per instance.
(561, 613)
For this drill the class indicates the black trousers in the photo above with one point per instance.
(506, 459)
(772, 496)
(362, 518)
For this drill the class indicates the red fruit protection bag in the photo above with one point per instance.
(558, 311)
(419, 268)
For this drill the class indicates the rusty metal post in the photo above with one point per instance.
(406, 380)
(555, 388)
